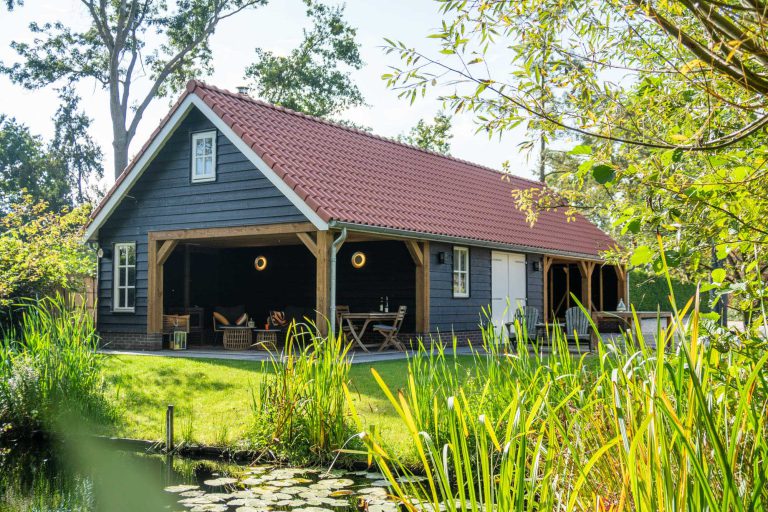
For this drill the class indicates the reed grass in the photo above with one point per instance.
(49, 366)
(300, 405)
(676, 426)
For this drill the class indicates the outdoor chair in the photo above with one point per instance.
(528, 318)
(576, 325)
(390, 332)
(340, 325)
(228, 317)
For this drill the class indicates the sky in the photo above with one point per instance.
(278, 28)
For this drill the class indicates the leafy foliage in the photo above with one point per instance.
(671, 96)
(74, 150)
(41, 252)
(432, 137)
(26, 167)
(124, 42)
(314, 78)
(60, 173)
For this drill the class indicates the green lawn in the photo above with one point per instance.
(212, 397)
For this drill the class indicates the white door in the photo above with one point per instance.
(507, 285)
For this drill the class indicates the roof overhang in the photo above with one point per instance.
(112, 201)
(417, 235)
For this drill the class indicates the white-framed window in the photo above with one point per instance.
(124, 292)
(461, 271)
(203, 156)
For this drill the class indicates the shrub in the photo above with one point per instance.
(49, 367)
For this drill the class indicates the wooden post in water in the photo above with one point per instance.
(169, 428)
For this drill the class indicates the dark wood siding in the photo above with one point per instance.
(459, 314)
(535, 283)
(164, 198)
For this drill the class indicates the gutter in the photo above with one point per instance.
(417, 235)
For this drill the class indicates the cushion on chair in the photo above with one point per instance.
(241, 320)
(221, 319)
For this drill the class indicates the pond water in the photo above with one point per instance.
(45, 477)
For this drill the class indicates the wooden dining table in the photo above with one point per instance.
(357, 323)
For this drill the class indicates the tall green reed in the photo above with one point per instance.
(300, 405)
(49, 366)
(678, 425)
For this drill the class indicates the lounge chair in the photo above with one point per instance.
(528, 318)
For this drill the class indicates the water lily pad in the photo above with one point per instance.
(335, 483)
(252, 481)
(209, 507)
(312, 509)
(218, 482)
(201, 500)
(380, 483)
(372, 491)
(341, 492)
(181, 488)
(192, 494)
(246, 508)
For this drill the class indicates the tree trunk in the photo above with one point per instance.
(120, 151)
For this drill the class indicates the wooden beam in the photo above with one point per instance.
(323, 288)
(165, 251)
(154, 307)
(306, 239)
(233, 232)
(416, 253)
(422, 286)
(602, 292)
(545, 268)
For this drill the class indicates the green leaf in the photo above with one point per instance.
(581, 149)
(603, 173)
(718, 275)
(642, 255)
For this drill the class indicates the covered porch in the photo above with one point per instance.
(288, 268)
(598, 286)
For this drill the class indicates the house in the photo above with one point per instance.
(235, 201)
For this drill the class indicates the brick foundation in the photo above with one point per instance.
(130, 341)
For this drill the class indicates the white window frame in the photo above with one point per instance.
(458, 269)
(116, 269)
(202, 178)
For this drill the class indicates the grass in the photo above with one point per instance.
(213, 396)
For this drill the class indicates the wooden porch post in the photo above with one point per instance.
(420, 255)
(546, 266)
(622, 283)
(586, 268)
(159, 252)
(323, 288)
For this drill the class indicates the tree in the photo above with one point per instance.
(74, 150)
(432, 137)
(315, 78)
(673, 93)
(125, 40)
(28, 169)
(41, 251)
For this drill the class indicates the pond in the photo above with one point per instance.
(56, 477)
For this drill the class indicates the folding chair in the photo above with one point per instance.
(390, 332)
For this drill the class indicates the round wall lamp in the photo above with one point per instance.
(358, 259)
(260, 263)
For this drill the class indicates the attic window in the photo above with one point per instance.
(203, 156)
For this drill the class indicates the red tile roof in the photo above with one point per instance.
(351, 176)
